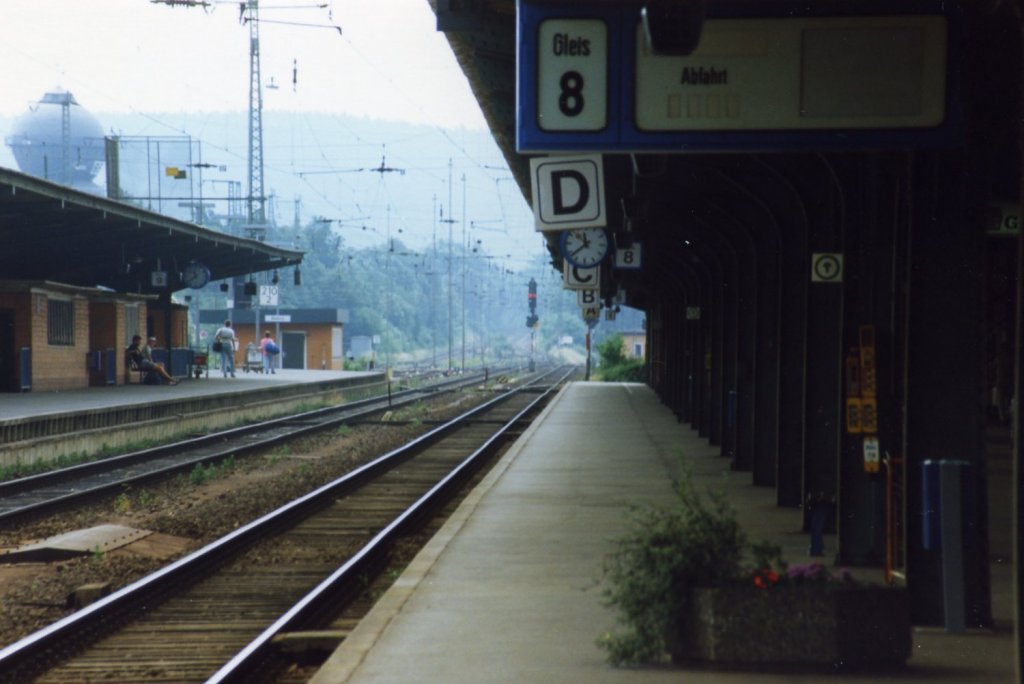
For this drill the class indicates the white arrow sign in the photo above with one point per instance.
(826, 267)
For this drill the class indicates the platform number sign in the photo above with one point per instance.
(629, 257)
(572, 86)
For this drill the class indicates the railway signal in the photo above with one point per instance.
(532, 319)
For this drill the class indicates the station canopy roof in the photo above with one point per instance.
(55, 233)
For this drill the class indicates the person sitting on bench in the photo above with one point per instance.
(138, 358)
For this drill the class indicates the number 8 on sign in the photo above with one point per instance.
(572, 75)
(570, 102)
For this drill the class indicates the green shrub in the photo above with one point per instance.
(614, 366)
(664, 553)
(630, 370)
(199, 474)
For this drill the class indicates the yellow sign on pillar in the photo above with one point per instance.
(869, 414)
(854, 420)
(868, 373)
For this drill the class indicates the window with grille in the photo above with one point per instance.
(61, 325)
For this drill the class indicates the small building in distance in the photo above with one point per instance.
(634, 344)
(309, 338)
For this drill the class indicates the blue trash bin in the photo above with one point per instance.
(931, 498)
(950, 526)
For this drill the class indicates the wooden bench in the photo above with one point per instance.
(131, 367)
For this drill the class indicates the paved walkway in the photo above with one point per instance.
(45, 403)
(509, 589)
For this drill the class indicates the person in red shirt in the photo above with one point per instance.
(268, 353)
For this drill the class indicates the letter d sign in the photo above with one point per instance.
(568, 192)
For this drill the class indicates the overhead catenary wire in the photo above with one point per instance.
(203, 126)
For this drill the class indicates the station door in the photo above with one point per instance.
(293, 350)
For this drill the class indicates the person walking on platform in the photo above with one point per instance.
(269, 349)
(225, 339)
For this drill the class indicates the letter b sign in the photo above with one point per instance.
(568, 192)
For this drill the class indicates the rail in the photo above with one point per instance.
(241, 667)
(24, 657)
(32, 494)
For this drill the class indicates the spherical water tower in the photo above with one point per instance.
(57, 139)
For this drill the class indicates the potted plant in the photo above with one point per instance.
(688, 585)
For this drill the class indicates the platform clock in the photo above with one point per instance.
(584, 247)
(196, 275)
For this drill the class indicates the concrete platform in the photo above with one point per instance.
(509, 589)
(32, 404)
(42, 426)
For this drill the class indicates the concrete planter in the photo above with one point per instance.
(811, 625)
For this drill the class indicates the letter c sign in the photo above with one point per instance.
(568, 192)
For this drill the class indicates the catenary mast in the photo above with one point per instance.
(257, 217)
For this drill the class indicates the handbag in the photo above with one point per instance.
(273, 349)
(217, 346)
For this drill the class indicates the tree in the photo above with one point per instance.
(615, 367)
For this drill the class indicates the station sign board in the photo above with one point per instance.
(793, 77)
(269, 295)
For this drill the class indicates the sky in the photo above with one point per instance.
(130, 62)
(134, 55)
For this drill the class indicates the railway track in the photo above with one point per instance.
(39, 494)
(213, 615)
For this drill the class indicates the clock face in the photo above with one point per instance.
(584, 247)
(196, 275)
